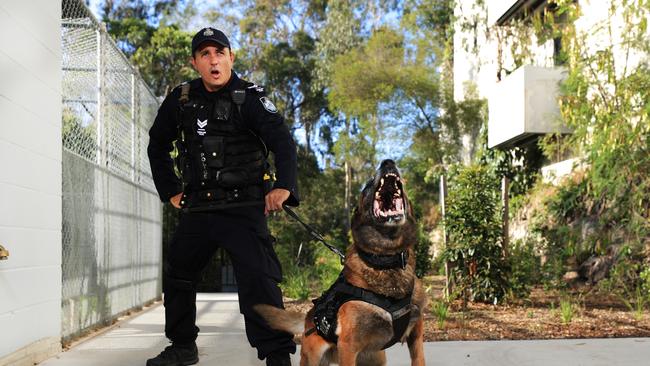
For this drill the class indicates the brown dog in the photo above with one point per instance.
(384, 234)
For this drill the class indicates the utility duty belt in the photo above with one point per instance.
(217, 198)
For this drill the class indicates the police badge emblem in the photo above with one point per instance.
(268, 105)
(208, 32)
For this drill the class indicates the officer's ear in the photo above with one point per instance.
(232, 55)
(193, 62)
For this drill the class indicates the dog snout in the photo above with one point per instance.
(388, 166)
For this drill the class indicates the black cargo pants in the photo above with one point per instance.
(243, 233)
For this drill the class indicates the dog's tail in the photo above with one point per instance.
(289, 321)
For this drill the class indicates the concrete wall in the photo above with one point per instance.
(30, 180)
(525, 104)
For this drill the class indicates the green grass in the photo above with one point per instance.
(296, 284)
(441, 310)
(567, 311)
(638, 304)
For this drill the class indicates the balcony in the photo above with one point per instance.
(501, 12)
(524, 105)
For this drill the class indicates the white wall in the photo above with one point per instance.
(30, 180)
(479, 65)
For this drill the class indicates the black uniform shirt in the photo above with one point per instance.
(261, 119)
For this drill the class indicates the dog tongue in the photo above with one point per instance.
(399, 205)
(397, 209)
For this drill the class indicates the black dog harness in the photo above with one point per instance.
(326, 307)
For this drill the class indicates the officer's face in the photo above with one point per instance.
(214, 63)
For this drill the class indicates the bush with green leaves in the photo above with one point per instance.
(524, 268)
(604, 100)
(327, 267)
(422, 255)
(473, 224)
(629, 281)
(295, 283)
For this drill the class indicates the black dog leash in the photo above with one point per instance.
(313, 232)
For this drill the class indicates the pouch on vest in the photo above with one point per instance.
(214, 150)
(232, 178)
(221, 109)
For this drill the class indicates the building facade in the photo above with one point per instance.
(499, 57)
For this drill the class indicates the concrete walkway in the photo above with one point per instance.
(222, 342)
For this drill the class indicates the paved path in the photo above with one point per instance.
(222, 342)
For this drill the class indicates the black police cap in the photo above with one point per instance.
(209, 34)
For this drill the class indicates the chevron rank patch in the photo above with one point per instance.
(268, 105)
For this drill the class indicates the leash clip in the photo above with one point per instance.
(403, 258)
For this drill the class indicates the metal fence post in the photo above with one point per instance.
(134, 163)
(100, 108)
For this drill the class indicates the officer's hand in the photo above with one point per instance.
(275, 199)
(176, 200)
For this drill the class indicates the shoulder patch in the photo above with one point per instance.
(268, 105)
(189, 84)
(257, 88)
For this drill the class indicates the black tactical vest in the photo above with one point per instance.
(222, 162)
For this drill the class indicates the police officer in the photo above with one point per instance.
(224, 128)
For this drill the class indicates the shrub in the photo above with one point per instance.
(629, 280)
(524, 269)
(473, 224)
(422, 257)
(327, 267)
(296, 284)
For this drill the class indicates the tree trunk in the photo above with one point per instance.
(347, 196)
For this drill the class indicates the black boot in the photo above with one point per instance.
(278, 359)
(176, 355)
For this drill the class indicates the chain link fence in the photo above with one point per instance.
(111, 213)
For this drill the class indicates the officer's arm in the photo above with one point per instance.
(161, 137)
(270, 126)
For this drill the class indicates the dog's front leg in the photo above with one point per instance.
(347, 353)
(313, 350)
(348, 343)
(415, 342)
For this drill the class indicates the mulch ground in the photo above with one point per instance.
(594, 315)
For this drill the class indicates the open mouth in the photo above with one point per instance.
(214, 73)
(388, 205)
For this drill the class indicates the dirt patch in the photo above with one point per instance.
(593, 315)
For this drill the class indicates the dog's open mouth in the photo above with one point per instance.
(388, 205)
